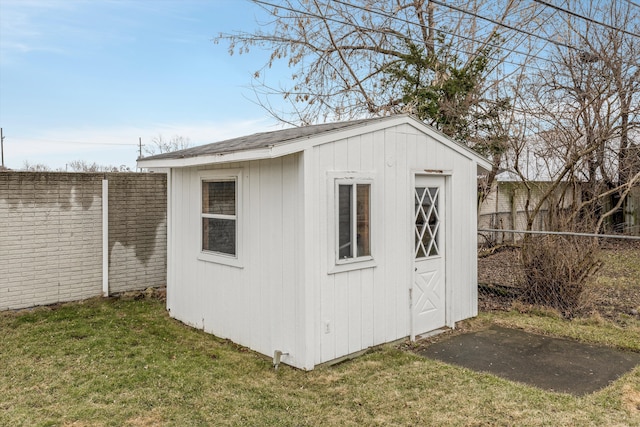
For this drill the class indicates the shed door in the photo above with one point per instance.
(428, 292)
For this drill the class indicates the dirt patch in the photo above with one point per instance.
(499, 275)
(149, 293)
(631, 399)
(146, 420)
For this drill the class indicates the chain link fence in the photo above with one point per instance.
(575, 274)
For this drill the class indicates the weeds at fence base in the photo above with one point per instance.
(148, 293)
(536, 310)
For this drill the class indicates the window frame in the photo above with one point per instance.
(224, 175)
(353, 179)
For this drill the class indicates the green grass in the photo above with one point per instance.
(592, 329)
(112, 362)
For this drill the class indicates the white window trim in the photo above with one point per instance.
(336, 264)
(216, 257)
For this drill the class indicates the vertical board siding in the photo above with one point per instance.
(313, 250)
(287, 295)
(326, 159)
(366, 286)
(371, 306)
(471, 308)
(255, 304)
(354, 311)
(381, 315)
(253, 238)
(307, 307)
(403, 203)
(342, 306)
(172, 213)
(390, 208)
(270, 200)
(290, 284)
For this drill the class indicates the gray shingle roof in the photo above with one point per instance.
(261, 140)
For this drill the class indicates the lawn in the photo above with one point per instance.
(125, 362)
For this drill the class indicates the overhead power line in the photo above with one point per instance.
(354, 25)
(443, 4)
(633, 3)
(72, 142)
(460, 36)
(502, 24)
(586, 18)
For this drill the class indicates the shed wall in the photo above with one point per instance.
(254, 304)
(285, 295)
(370, 306)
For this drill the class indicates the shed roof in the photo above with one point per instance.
(286, 141)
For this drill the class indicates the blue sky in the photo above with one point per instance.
(84, 79)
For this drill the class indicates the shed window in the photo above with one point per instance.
(354, 207)
(219, 216)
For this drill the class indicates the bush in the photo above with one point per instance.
(556, 269)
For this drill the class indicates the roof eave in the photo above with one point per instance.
(484, 165)
(273, 151)
(238, 156)
(303, 143)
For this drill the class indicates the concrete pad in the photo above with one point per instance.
(555, 364)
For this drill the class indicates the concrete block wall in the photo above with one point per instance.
(49, 224)
(51, 235)
(137, 231)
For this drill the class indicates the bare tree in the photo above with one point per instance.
(516, 81)
(439, 61)
(161, 145)
(75, 166)
(84, 166)
(35, 167)
(582, 107)
(341, 52)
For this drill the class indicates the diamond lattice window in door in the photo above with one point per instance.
(427, 221)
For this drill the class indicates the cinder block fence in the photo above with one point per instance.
(70, 236)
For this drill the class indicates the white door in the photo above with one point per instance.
(428, 292)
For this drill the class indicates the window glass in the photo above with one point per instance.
(364, 247)
(345, 248)
(219, 220)
(354, 207)
(434, 223)
(219, 235)
(219, 197)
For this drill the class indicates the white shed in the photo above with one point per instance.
(321, 241)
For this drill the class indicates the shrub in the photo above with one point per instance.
(556, 269)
